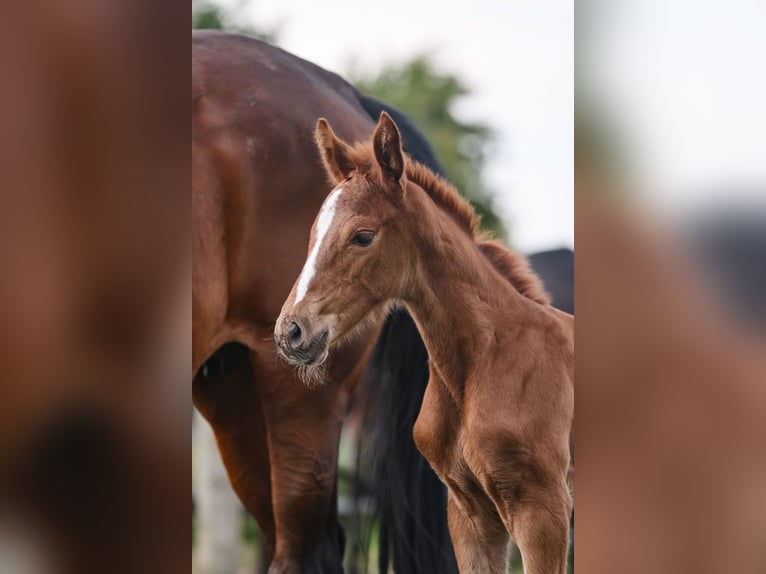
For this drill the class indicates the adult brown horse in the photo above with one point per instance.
(257, 185)
(496, 420)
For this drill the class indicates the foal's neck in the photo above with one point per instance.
(458, 299)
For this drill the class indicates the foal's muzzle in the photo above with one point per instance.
(298, 344)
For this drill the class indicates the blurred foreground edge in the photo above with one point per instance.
(671, 404)
(94, 288)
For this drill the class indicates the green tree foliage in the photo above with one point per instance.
(207, 15)
(428, 97)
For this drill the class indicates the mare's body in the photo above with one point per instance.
(256, 188)
(497, 415)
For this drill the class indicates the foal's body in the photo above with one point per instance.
(497, 415)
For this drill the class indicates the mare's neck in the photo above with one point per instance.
(456, 297)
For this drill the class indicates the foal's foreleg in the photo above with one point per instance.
(478, 537)
(541, 530)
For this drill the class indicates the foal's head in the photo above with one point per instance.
(360, 252)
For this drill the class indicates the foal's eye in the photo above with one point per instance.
(363, 238)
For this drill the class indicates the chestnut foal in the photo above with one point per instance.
(497, 415)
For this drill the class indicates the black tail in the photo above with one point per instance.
(410, 502)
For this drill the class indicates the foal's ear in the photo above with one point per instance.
(388, 148)
(336, 154)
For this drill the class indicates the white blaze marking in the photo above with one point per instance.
(326, 215)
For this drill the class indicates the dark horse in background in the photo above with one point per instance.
(256, 176)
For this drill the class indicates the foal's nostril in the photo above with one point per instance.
(294, 334)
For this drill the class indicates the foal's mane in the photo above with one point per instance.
(511, 265)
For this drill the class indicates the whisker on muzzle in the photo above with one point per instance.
(312, 375)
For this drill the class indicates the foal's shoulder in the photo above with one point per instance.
(554, 325)
(565, 319)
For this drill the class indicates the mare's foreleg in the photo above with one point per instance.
(232, 405)
(304, 431)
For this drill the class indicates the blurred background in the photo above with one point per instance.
(669, 126)
(491, 85)
(670, 171)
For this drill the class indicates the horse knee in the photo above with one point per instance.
(479, 538)
(541, 530)
(546, 507)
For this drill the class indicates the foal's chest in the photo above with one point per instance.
(438, 433)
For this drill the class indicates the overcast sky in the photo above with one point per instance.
(516, 56)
